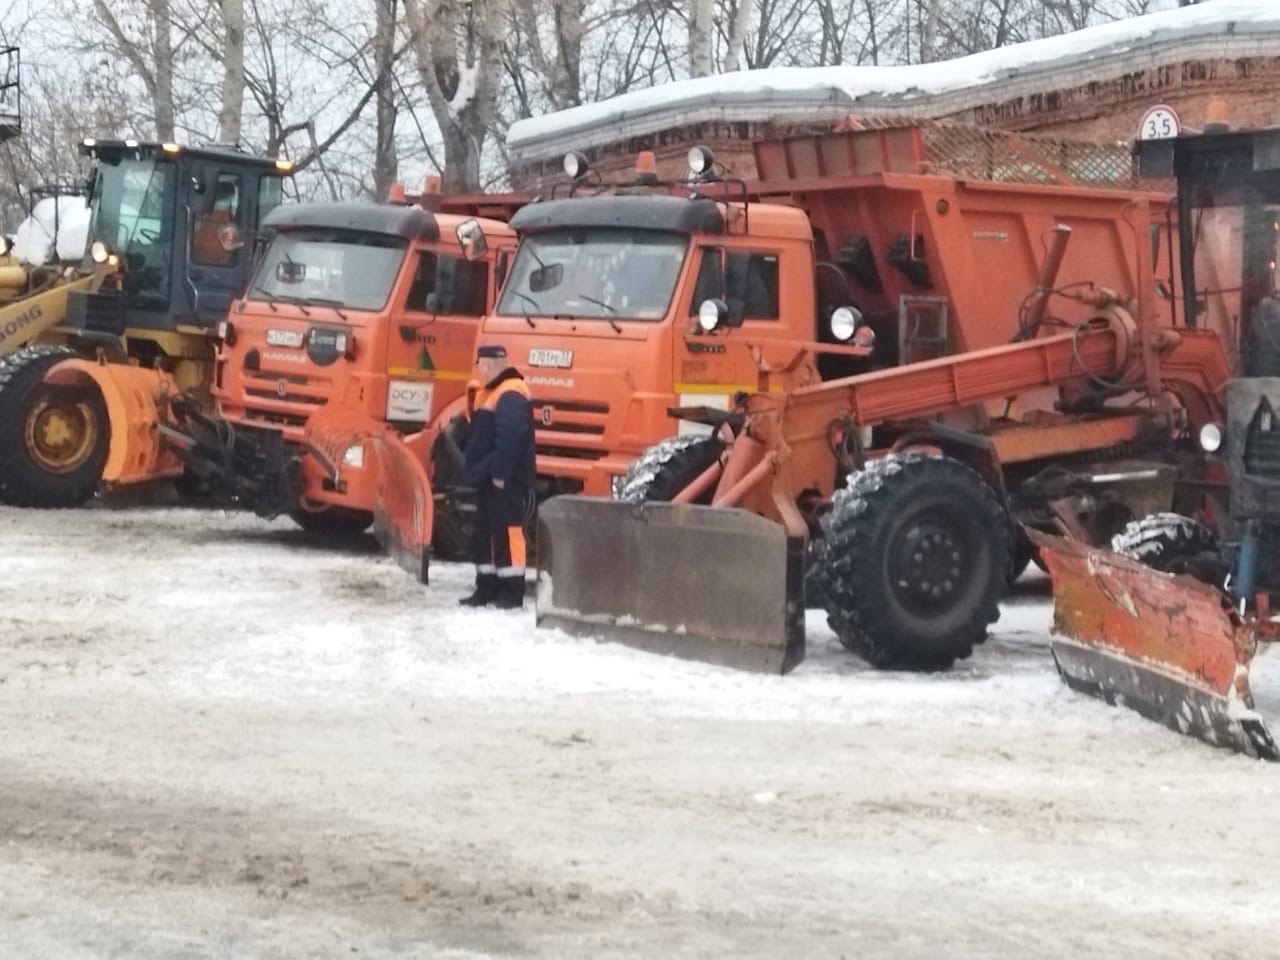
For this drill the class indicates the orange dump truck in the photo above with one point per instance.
(933, 234)
(355, 313)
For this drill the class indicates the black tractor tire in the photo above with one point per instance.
(333, 523)
(53, 439)
(666, 468)
(1170, 543)
(815, 584)
(917, 558)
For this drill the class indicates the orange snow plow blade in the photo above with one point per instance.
(702, 583)
(402, 505)
(1166, 646)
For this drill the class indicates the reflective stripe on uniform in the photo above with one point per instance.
(512, 572)
(515, 544)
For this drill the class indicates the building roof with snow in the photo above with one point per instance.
(1064, 84)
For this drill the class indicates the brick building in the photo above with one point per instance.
(1095, 84)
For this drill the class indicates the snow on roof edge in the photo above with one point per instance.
(887, 86)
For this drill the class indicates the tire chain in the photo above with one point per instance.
(645, 468)
(861, 491)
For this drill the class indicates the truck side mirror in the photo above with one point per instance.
(471, 239)
(204, 193)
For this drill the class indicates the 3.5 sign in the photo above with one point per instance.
(1159, 123)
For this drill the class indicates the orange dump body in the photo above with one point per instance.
(941, 261)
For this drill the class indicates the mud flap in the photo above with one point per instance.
(402, 505)
(1168, 647)
(702, 583)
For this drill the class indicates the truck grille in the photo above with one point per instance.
(569, 416)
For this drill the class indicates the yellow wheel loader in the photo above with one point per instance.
(88, 354)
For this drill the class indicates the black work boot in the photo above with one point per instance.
(510, 593)
(486, 588)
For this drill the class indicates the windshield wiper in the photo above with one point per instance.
(528, 299)
(298, 302)
(335, 304)
(271, 300)
(607, 306)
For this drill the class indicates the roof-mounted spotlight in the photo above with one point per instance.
(575, 164)
(701, 161)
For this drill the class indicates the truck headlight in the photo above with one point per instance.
(1211, 437)
(354, 457)
(616, 484)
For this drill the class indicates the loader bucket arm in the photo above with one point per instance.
(25, 319)
(1168, 647)
(402, 508)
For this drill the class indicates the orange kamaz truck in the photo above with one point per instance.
(354, 310)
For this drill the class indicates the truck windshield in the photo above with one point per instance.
(341, 268)
(132, 213)
(598, 272)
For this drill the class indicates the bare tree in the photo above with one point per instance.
(700, 27)
(231, 115)
(458, 46)
(384, 54)
(150, 52)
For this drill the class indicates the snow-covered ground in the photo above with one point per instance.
(221, 739)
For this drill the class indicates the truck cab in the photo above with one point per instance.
(371, 307)
(601, 314)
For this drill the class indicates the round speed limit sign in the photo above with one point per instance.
(1159, 123)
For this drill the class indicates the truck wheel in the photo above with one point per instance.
(53, 439)
(918, 555)
(335, 522)
(450, 525)
(1171, 543)
(668, 467)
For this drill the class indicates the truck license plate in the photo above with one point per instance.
(539, 357)
(284, 338)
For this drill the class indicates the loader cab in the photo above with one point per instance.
(1229, 232)
(374, 306)
(178, 224)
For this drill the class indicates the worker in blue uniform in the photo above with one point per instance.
(500, 466)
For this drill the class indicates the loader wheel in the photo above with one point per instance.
(1172, 543)
(335, 522)
(918, 555)
(668, 467)
(53, 439)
